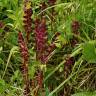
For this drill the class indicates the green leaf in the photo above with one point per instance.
(47, 91)
(58, 45)
(2, 86)
(31, 71)
(11, 38)
(89, 53)
(1, 30)
(15, 76)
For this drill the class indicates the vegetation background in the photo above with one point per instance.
(48, 48)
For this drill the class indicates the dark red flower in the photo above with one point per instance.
(24, 66)
(68, 66)
(41, 37)
(1, 24)
(75, 27)
(23, 47)
(69, 61)
(40, 78)
(74, 41)
(51, 2)
(27, 20)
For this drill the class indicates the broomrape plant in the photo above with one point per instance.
(47, 48)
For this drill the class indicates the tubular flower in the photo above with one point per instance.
(75, 29)
(23, 47)
(41, 38)
(42, 48)
(24, 66)
(68, 65)
(40, 78)
(41, 44)
(27, 18)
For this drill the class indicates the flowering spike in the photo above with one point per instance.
(27, 18)
(23, 47)
(41, 38)
(40, 78)
(24, 67)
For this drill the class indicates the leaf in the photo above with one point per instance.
(2, 86)
(62, 39)
(32, 71)
(89, 53)
(47, 91)
(1, 30)
(58, 45)
(12, 16)
(11, 38)
(76, 50)
(15, 76)
(12, 51)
